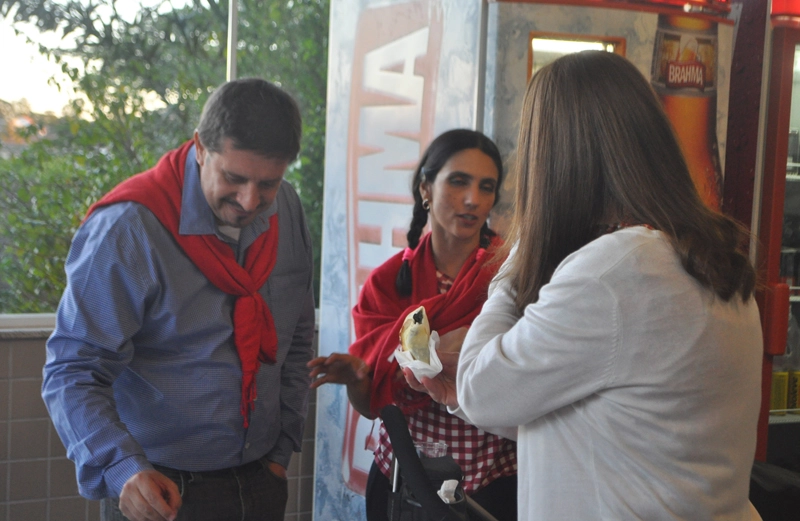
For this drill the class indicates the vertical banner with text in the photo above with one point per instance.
(388, 67)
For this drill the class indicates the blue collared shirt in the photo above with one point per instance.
(142, 368)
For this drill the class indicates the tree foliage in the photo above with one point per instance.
(141, 82)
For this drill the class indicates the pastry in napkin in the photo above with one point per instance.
(415, 335)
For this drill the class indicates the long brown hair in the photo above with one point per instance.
(594, 144)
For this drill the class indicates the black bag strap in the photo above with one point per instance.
(411, 469)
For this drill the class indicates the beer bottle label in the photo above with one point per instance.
(685, 60)
(793, 395)
(683, 74)
(780, 392)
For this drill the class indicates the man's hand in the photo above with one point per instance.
(442, 387)
(277, 469)
(337, 369)
(150, 496)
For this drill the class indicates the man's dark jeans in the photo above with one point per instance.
(247, 493)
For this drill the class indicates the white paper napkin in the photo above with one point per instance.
(421, 369)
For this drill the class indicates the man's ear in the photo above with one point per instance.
(200, 150)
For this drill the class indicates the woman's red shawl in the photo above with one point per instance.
(380, 311)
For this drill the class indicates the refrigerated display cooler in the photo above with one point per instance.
(779, 237)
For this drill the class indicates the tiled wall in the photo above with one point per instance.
(301, 471)
(37, 481)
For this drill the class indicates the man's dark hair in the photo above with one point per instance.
(255, 115)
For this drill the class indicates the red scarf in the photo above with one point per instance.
(160, 190)
(380, 312)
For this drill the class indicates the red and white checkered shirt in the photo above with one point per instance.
(483, 456)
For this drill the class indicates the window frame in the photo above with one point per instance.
(618, 42)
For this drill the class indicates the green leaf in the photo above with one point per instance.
(112, 131)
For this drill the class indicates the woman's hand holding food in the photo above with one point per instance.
(442, 388)
(451, 342)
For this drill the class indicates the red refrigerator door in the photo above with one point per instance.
(778, 208)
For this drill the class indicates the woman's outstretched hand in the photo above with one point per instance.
(442, 387)
(337, 368)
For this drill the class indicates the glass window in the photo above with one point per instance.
(786, 368)
(546, 47)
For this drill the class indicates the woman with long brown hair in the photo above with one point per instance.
(621, 336)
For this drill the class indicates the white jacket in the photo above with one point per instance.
(636, 391)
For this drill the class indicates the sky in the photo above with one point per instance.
(25, 73)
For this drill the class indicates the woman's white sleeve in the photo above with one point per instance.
(513, 370)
